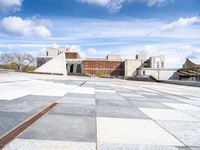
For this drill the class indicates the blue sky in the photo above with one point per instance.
(98, 27)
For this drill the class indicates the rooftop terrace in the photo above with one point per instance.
(96, 114)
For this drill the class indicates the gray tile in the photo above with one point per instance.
(38, 98)
(77, 100)
(23, 106)
(187, 132)
(155, 100)
(109, 102)
(77, 95)
(195, 114)
(146, 104)
(120, 112)
(114, 146)
(194, 148)
(74, 109)
(62, 128)
(9, 120)
(109, 96)
(2, 102)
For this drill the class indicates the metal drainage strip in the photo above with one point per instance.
(15, 132)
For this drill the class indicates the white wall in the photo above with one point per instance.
(52, 52)
(55, 65)
(160, 74)
(131, 66)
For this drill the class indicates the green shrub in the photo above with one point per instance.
(99, 74)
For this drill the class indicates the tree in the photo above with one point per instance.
(21, 61)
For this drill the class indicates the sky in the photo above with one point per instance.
(96, 28)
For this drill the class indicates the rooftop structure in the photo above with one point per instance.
(190, 70)
(66, 61)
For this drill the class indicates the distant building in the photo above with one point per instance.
(190, 70)
(66, 61)
(191, 63)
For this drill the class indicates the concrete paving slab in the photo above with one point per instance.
(38, 98)
(73, 125)
(104, 91)
(74, 109)
(156, 100)
(9, 120)
(109, 102)
(77, 100)
(192, 113)
(2, 102)
(109, 96)
(183, 106)
(10, 95)
(62, 128)
(167, 114)
(120, 112)
(105, 146)
(148, 94)
(187, 132)
(134, 95)
(83, 90)
(23, 106)
(26, 144)
(147, 104)
(79, 95)
(133, 131)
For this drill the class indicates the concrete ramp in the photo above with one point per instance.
(57, 65)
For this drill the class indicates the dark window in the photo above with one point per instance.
(78, 69)
(71, 68)
(143, 72)
(162, 64)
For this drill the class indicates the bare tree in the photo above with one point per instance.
(22, 61)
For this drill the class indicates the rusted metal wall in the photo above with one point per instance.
(107, 68)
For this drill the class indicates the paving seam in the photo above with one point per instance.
(159, 124)
(12, 134)
(14, 81)
(171, 134)
(165, 92)
(6, 139)
(174, 95)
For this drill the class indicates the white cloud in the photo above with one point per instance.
(116, 5)
(55, 45)
(10, 5)
(112, 5)
(181, 22)
(91, 51)
(24, 27)
(154, 2)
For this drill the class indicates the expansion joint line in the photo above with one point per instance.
(19, 129)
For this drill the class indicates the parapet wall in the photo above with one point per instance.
(160, 74)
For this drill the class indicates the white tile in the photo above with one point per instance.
(167, 114)
(105, 91)
(83, 90)
(182, 106)
(187, 132)
(10, 95)
(131, 95)
(133, 131)
(25, 144)
(147, 93)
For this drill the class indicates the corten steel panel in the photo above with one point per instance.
(108, 68)
(72, 55)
